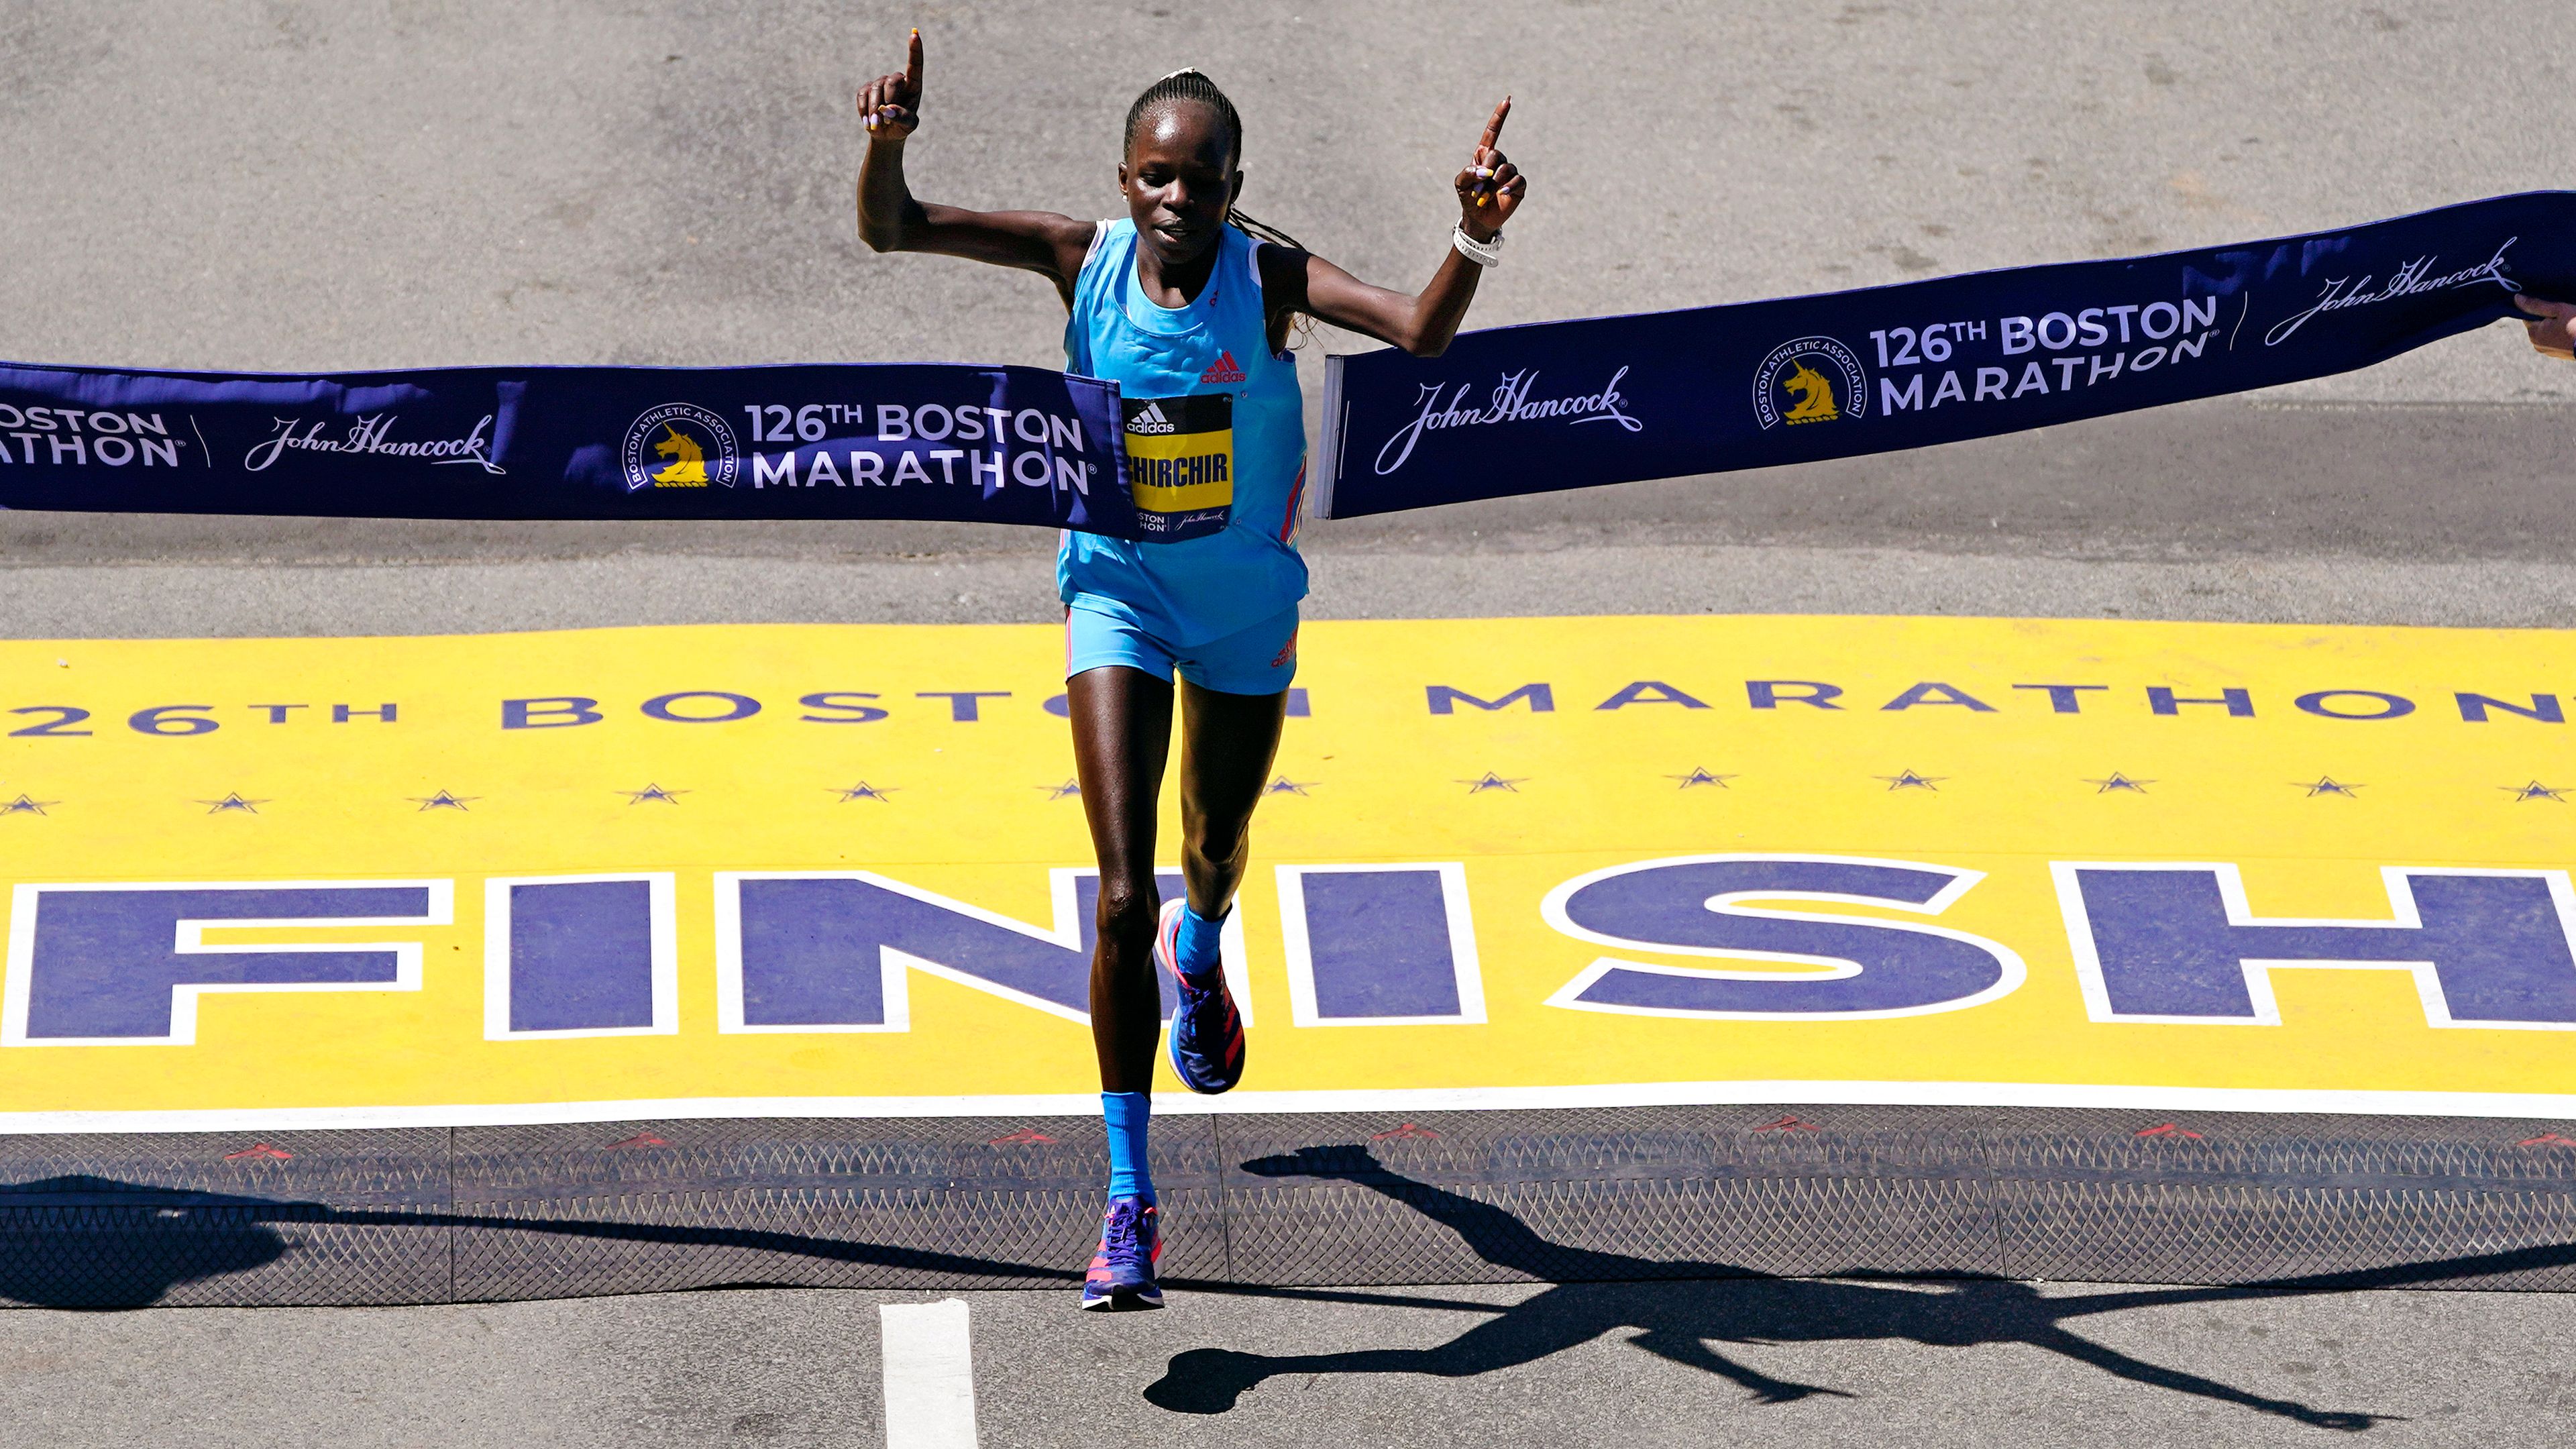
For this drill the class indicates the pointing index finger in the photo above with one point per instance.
(1494, 127)
(912, 65)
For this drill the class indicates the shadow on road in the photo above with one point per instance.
(1598, 1294)
(63, 1253)
(97, 1243)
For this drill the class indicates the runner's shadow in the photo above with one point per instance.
(81, 1242)
(1596, 1294)
(72, 1255)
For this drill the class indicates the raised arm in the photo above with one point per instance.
(1490, 190)
(890, 220)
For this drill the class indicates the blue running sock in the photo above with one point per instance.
(1195, 944)
(1128, 1114)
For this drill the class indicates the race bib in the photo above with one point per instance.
(1180, 464)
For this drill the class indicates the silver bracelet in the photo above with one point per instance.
(1482, 253)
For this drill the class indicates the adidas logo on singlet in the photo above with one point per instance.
(1151, 420)
(1224, 369)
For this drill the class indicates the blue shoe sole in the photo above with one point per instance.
(1166, 956)
(1177, 1070)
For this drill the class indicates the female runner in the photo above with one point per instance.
(1189, 314)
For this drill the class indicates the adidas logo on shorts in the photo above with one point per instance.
(1151, 420)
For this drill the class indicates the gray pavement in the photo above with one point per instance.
(304, 184)
(1734, 1363)
(203, 600)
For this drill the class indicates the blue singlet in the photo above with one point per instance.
(1216, 443)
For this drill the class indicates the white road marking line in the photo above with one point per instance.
(929, 1360)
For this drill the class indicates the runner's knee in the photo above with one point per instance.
(1127, 910)
(1219, 848)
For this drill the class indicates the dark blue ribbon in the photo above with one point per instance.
(1561, 405)
(974, 444)
(1513, 410)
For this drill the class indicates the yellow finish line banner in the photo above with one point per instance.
(810, 869)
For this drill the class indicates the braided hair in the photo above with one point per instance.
(1190, 84)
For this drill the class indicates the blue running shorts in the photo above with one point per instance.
(1258, 660)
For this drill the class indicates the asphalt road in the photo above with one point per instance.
(313, 184)
(1726, 1363)
(308, 184)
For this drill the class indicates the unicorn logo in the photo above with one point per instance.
(1815, 397)
(690, 471)
(1800, 373)
(679, 445)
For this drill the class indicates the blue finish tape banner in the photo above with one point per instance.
(1562, 405)
(973, 444)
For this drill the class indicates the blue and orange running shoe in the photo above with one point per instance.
(1207, 1032)
(1122, 1271)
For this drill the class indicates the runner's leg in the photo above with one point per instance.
(1122, 733)
(1227, 744)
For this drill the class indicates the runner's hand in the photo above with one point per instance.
(1491, 187)
(890, 105)
(2549, 326)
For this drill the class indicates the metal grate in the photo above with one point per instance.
(436, 1215)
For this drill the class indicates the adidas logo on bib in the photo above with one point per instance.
(1224, 369)
(1180, 464)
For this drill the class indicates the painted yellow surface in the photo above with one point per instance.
(1523, 800)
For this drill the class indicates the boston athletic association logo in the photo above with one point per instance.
(1809, 380)
(679, 445)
